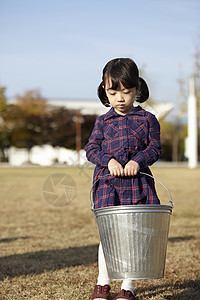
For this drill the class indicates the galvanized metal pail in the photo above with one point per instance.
(134, 239)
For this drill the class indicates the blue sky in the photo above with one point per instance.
(61, 46)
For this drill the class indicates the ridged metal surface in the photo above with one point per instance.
(134, 240)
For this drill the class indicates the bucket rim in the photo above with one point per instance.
(123, 209)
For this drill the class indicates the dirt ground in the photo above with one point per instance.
(48, 246)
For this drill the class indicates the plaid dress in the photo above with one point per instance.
(134, 136)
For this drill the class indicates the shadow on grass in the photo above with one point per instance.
(41, 261)
(177, 239)
(180, 290)
(9, 240)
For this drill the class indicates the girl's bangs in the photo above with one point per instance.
(115, 80)
(116, 77)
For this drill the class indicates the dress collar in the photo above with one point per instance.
(138, 110)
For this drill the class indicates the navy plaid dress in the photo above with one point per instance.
(134, 136)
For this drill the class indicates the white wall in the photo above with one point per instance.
(45, 155)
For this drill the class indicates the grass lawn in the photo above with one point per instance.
(50, 252)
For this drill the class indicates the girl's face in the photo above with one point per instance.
(121, 99)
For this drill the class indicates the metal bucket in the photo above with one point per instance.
(134, 239)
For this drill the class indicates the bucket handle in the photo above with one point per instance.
(170, 201)
(170, 196)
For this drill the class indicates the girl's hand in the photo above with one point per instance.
(115, 168)
(131, 168)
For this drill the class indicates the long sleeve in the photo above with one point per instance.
(153, 151)
(135, 136)
(94, 151)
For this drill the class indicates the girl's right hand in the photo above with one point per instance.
(115, 168)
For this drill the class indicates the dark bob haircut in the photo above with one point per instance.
(124, 71)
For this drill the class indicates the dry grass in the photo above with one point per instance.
(51, 253)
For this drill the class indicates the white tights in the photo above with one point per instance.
(103, 278)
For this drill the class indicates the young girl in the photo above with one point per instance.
(124, 140)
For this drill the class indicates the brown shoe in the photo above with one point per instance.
(101, 292)
(123, 294)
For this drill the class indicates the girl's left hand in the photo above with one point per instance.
(131, 168)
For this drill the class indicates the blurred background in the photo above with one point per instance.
(51, 59)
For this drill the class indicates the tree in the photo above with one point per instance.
(87, 127)
(196, 75)
(62, 128)
(32, 103)
(183, 94)
(30, 121)
(23, 120)
(2, 99)
(3, 137)
(173, 140)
